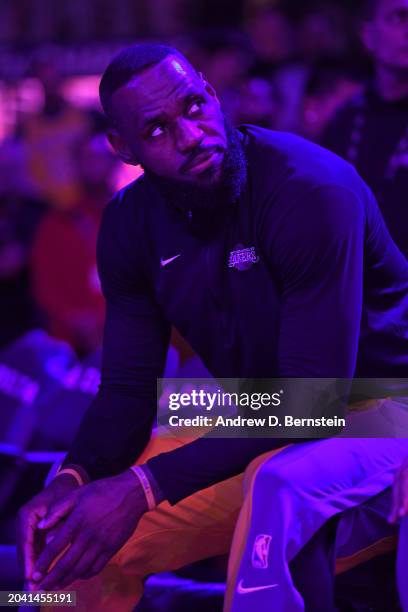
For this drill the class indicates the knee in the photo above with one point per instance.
(275, 477)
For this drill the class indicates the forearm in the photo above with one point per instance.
(152, 491)
(113, 433)
(206, 461)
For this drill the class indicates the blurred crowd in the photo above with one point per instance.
(278, 65)
(57, 174)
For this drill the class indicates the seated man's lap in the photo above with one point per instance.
(165, 539)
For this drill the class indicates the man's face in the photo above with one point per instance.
(386, 34)
(169, 120)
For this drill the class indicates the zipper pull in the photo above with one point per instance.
(190, 216)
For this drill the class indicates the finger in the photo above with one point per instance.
(58, 511)
(27, 546)
(29, 586)
(50, 536)
(51, 533)
(82, 569)
(26, 530)
(98, 566)
(61, 540)
(67, 564)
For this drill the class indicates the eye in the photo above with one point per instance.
(195, 107)
(156, 130)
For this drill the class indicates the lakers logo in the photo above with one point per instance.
(242, 259)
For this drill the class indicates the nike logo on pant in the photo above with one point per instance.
(164, 262)
(241, 590)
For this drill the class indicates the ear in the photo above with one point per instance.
(367, 36)
(208, 88)
(120, 147)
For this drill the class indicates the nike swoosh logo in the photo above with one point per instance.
(241, 590)
(164, 262)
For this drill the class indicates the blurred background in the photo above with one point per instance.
(285, 65)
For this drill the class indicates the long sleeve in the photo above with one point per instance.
(316, 246)
(118, 423)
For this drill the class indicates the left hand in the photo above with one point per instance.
(99, 518)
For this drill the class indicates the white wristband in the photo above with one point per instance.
(73, 473)
(147, 487)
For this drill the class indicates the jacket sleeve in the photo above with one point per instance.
(315, 246)
(117, 425)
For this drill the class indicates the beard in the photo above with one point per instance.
(202, 200)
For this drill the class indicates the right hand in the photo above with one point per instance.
(30, 540)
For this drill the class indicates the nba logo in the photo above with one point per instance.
(260, 551)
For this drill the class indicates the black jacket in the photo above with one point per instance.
(326, 296)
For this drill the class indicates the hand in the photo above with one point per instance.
(30, 540)
(400, 493)
(99, 518)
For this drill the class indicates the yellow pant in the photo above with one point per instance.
(170, 537)
(165, 539)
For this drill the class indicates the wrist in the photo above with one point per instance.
(63, 481)
(78, 472)
(157, 492)
(71, 474)
(144, 482)
(148, 484)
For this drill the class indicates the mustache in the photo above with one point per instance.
(200, 154)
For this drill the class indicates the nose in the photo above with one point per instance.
(189, 135)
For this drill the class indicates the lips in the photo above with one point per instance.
(202, 161)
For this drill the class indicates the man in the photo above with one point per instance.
(293, 308)
(371, 131)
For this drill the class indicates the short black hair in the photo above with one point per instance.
(128, 63)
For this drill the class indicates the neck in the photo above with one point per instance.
(392, 84)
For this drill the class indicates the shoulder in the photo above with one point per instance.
(285, 168)
(120, 234)
(123, 215)
(127, 201)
